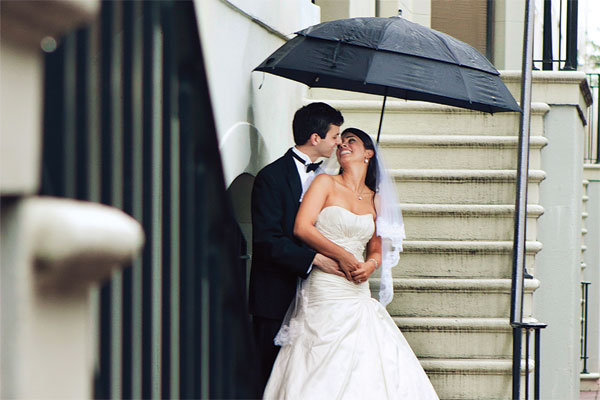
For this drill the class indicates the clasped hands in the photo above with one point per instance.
(347, 266)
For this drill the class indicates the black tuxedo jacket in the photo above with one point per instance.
(278, 258)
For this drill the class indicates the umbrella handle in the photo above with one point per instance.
(381, 116)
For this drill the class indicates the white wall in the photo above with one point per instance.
(418, 11)
(253, 123)
(508, 33)
(557, 301)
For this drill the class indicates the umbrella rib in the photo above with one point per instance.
(410, 55)
(443, 40)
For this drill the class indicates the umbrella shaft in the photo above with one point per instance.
(381, 117)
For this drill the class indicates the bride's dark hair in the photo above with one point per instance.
(372, 170)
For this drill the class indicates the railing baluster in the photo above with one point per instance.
(536, 327)
(584, 324)
(571, 63)
(547, 43)
(527, 331)
(536, 381)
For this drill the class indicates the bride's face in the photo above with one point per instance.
(352, 149)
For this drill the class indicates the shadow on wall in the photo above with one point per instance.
(240, 192)
(243, 150)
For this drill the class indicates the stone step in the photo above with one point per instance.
(460, 186)
(461, 259)
(419, 118)
(460, 298)
(434, 337)
(456, 152)
(480, 379)
(465, 221)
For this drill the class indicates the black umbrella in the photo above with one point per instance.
(392, 57)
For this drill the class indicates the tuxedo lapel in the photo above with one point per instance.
(292, 177)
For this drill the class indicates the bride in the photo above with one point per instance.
(337, 341)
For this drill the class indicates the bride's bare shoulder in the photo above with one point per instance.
(324, 179)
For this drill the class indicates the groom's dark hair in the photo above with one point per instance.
(314, 118)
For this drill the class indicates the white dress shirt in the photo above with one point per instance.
(306, 178)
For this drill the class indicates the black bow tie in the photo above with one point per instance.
(310, 166)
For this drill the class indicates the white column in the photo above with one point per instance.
(557, 301)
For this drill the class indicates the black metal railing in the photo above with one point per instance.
(553, 34)
(584, 325)
(128, 122)
(527, 328)
(591, 144)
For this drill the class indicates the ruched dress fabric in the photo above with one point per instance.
(349, 347)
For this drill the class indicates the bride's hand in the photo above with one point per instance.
(363, 272)
(348, 263)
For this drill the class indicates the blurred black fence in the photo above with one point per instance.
(128, 122)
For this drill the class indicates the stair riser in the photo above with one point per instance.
(460, 227)
(456, 385)
(461, 192)
(457, 265)
(450, 303)
(476, 124)
(432, 157)
(435, 343)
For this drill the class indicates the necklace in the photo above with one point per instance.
(356, 193)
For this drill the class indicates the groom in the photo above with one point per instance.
(278, 257)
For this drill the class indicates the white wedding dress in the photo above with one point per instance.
(341, 343)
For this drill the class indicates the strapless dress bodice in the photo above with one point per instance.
(346, 229)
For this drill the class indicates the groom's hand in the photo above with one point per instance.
(328, 265)
(348, 263)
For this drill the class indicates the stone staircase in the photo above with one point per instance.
(456, 181)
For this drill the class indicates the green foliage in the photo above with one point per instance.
(591, 60)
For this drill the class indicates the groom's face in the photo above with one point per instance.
(332, 140)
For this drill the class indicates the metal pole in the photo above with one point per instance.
(536, 375)
(516, 314)
(381, 116)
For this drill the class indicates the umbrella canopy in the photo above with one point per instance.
(392, 57)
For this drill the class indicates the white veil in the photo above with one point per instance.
(390, 227)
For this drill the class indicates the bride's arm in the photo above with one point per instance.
(304, 228)
(364, 270)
